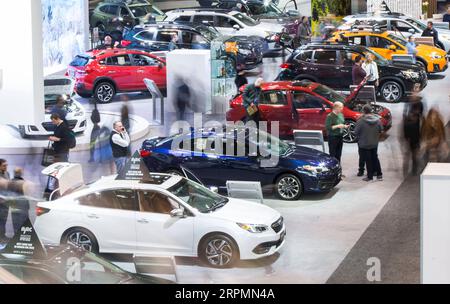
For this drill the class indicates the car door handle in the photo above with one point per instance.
(143, 221)
(93, 216)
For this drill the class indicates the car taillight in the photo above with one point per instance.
(145, 153)
(66, 74)
(41, 211)
(285, 66)
(125, 43)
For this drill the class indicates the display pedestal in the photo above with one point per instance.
(435, 224)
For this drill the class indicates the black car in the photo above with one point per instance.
(156, 37)
(60, 268)
(331, 64)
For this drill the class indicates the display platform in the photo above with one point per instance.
(13, 144)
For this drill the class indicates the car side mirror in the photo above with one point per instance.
(236, 27)
(393, 48)
(177, 213)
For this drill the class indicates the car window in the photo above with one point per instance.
(113, 9)
(104, 9)
(325, 57)
(223, 21)
(400, 26)
(274, 98)
(141, 10)
(188, 37)
(183, 19)
(304, 56)
(206, 19)
(155, 202)
(358, 40)
(165, 35)
(124, 199)
(124, 12)
(304, 100)
(146, 35)
(379, 42)
(347, 58)
(33, 275)
(141, 60)
(122, 60)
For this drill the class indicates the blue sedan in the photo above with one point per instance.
(217, 157)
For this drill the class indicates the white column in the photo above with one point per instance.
(435, 224)
(21, 66)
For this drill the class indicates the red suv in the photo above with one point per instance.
(103, 73)
(304, 105)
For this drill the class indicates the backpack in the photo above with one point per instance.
(72, 141)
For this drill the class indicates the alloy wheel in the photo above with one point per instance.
(105, 93)
(349, 134)
(80, 239)
(219, 252)
(288, 187)
(391, 92)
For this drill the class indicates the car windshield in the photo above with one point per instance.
(208, 32)
(274, 145)
(197, 196)
(397, 39)
(269, 9)
(140, 10)
(417, 23)
(328, 93)
(245, 19)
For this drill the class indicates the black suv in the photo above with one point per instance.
(331, 65)
(156, 37)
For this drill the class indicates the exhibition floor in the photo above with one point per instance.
(326, 234)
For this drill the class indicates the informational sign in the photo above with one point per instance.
(26, 242)
(135, 169)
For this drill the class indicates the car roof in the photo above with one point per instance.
(332, 45)
(153, 181)
(193, 11)
(99, 54)
(364, 33)
(166, 24)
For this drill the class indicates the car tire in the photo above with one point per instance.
(219, 251)
(104, 92)
(349, 134)
(288, 187)
(82, 238)
(391, 91)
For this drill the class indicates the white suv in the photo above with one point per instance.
(228, 23)
(161, 215)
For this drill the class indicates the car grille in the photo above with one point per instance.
(278, 225)
(50, 127)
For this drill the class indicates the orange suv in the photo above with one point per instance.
(433, 59)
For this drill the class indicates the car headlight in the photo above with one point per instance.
(409, 74)
(78, 114)
(253, 228)
(313, 169)
(435, 55)
(245, 52)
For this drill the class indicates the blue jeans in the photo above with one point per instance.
(120, 164)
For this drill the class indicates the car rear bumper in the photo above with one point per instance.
(82, 89)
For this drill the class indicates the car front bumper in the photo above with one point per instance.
(47, 128)
(259, 245)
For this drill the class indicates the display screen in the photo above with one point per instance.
(63, 33)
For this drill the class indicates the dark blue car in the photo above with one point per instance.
(216, 157)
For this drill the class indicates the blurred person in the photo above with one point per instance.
(107, 43)
(358, 73)
(183, 99)
(371, 69)
(251, 96)
(173, 44)
(304, 31)
(125, 119)
(412, 47)
(59, 108)
(412, 121)
(430, 31)
(120, 142)
(237, 7)
(335, 126)
(4, 206)
(368, 130)
(95, 133)
(434, 145)
(240, 79)
(62, 139)
(447, 16)
(20, 206)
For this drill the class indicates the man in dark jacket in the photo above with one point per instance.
(304, 31)
(358, 73)
(20, 206)
(61, 139)
(430, 31)
(367, 130)
(251, 98)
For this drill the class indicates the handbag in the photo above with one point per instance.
(251, 110)
(49, 156)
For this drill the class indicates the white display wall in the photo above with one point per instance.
(409, 7)
(65, 32)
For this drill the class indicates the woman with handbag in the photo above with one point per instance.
(251, 98)
(434, 145)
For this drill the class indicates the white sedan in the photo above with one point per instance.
(161, 215)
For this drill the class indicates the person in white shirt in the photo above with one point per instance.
(120, 141)
(371, 68)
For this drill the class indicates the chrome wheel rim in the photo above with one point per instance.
(105, 93)
(349, 134)
(80, 239)
(219, 252)
(288, 187)
(391, 92)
